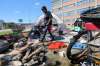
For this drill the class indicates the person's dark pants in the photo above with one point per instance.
(47, 30)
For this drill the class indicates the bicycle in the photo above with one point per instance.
(86, 55)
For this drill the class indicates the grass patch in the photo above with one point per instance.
(6, 32)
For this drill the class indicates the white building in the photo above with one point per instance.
(1, 25)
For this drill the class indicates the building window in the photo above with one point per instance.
(56, 1)
(82, 10)
(98, 5)
(70, 13)
(69, 6)
(77, 3)
(66, 7)
(66, 0)
(66, 20)
(66, 14)
(83, 2)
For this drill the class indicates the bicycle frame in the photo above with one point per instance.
(90, 51)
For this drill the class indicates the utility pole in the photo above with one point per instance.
(62, 11)
(96, 3)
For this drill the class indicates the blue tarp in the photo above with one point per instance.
(79, 45)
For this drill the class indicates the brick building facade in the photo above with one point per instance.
(69, 10)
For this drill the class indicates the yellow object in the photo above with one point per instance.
(98, 56)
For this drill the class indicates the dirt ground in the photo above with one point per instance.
(56, 60)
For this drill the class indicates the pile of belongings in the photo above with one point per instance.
(31, 55)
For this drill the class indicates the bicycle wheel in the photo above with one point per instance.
(80, 55)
